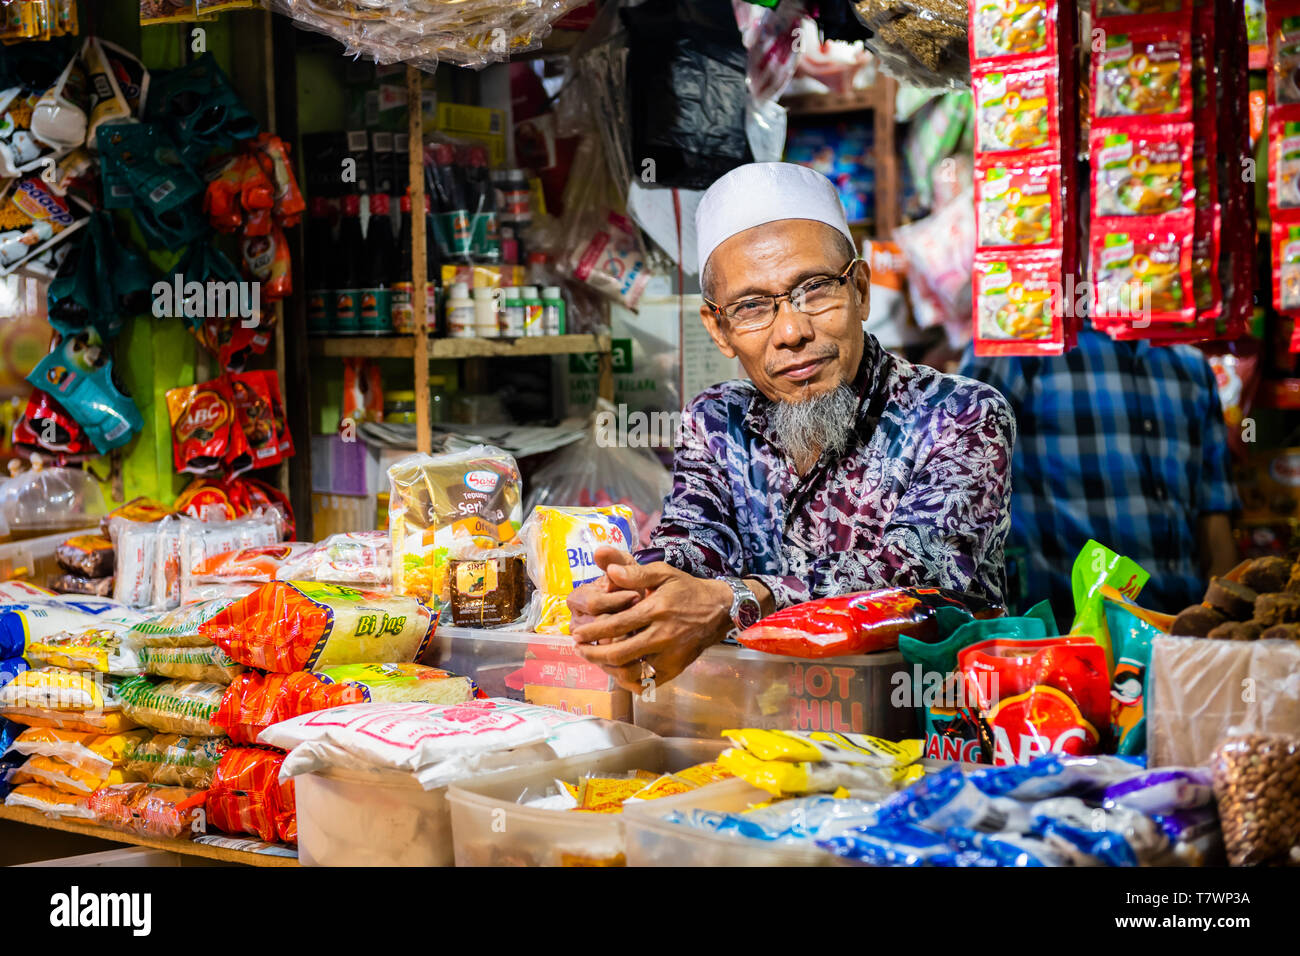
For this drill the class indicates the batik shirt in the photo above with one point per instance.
(919, 497)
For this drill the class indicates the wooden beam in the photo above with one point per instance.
(419, 258)
(85, 828)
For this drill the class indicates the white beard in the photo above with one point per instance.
(808, 429)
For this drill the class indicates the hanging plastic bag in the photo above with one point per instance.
(597, 472)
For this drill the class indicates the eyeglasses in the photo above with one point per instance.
(811, 297)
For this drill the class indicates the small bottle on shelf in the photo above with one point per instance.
(532, 303)
(486, 323)
(552, 311)
(512, 313)
(460, 312)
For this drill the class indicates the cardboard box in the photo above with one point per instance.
(610, 704)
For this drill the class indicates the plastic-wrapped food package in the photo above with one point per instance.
(288, 627)
(60, 689)
(201, 542)
(52, 802)
(1116, 836)
(93, 753)
(177, 759)
(402, 683)
(356, 558)
(560, 545)
(246, 795)
(857, 623)
(1257, 785)
(438, 501)
(55, 773)
(87, 555)
(437, 743)
(260, 564)
(180, 626)
(209, 663)
(591, 474)
(148, 809)
(173, 707)
(1194, 694)
(922, 42)
(23, 622)
(109, 650)
(255, 701)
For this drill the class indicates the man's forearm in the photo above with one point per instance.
(1218, 549)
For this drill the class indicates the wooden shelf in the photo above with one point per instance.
(403, 346)
(809, 104)
(70, 825)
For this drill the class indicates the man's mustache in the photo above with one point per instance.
(794, 361)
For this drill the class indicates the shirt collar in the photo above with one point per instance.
(870, 378)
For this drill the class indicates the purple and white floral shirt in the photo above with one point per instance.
(920, 498)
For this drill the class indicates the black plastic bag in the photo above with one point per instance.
(686, 90)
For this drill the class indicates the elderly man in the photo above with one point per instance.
(835, 467)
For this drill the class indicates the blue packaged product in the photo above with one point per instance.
(887, 844)
(1006, 849)
(790, 821)
(1116, 836)
(1187, 825)
(949, 798)
(1163, 791)
(11, 668)
(9, 766)
(1055, 775)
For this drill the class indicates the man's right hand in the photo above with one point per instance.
(602, 596)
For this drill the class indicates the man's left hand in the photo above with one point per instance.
(679, 617)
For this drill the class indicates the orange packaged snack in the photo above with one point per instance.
(254, 702)
(147, 809)
(297, 626)
(246, 795)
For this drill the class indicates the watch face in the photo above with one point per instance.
(748, 613)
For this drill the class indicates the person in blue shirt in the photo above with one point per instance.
(1122, 442)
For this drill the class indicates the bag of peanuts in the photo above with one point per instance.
(1257, 785)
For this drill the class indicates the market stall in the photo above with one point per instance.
(347, 342)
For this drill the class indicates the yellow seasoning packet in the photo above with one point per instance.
(704, 773)
(783, 778)
(666, 786)
(606, 794)
(817, 745)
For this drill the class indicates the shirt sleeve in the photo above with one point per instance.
(696, 533)
(1216, 492)
(950, 526)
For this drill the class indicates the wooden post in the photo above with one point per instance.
(887, 183)
(419, 259)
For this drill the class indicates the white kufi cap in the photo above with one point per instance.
(759, 193)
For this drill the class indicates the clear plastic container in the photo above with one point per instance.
(491, 828)
(511, 663)
(734, 687)
(33, 559)
(652, 841)
(371, 818)
(46, 500)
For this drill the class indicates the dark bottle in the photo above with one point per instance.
(316, 238)
(433, 263)
(485, 243)
(403, 294)
(346, 268)
(377, 262)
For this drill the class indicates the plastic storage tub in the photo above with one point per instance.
(734, 687)
(536, 668)
(32, 559)
(652, 841)
(491, 829)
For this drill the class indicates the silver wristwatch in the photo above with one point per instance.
(745, 610)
